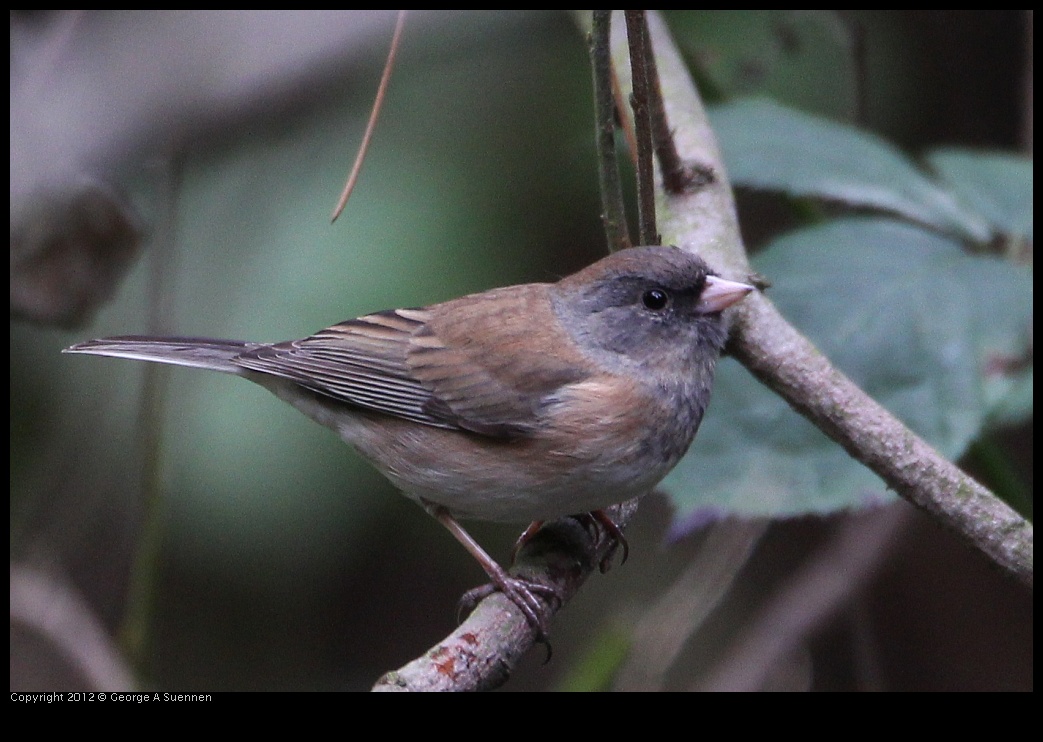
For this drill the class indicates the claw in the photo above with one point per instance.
(528, 596)
(596, 518)
(531, 597)
(525, 538)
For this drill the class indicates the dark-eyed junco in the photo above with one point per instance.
(522, 403)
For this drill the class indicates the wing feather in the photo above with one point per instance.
(426, 365)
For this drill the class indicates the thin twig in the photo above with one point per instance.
(613, 214)
(378, 104)
(639, 54)
(677, 177)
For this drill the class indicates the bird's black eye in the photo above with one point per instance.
(655, 299)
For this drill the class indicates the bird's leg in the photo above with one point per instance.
(523, 593)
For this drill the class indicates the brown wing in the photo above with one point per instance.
(476, 354)
(465, 364)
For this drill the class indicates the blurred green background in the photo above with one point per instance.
(285, 561)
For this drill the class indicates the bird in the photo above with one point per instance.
(516, 404)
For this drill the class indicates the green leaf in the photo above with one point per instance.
(769, 146)
(918, 323)
(996, 185)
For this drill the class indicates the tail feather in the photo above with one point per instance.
(216, 355)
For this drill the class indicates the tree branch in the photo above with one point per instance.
(487, 646)
(789, 364)
(637, 43)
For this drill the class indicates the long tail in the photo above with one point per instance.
(215, 355)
